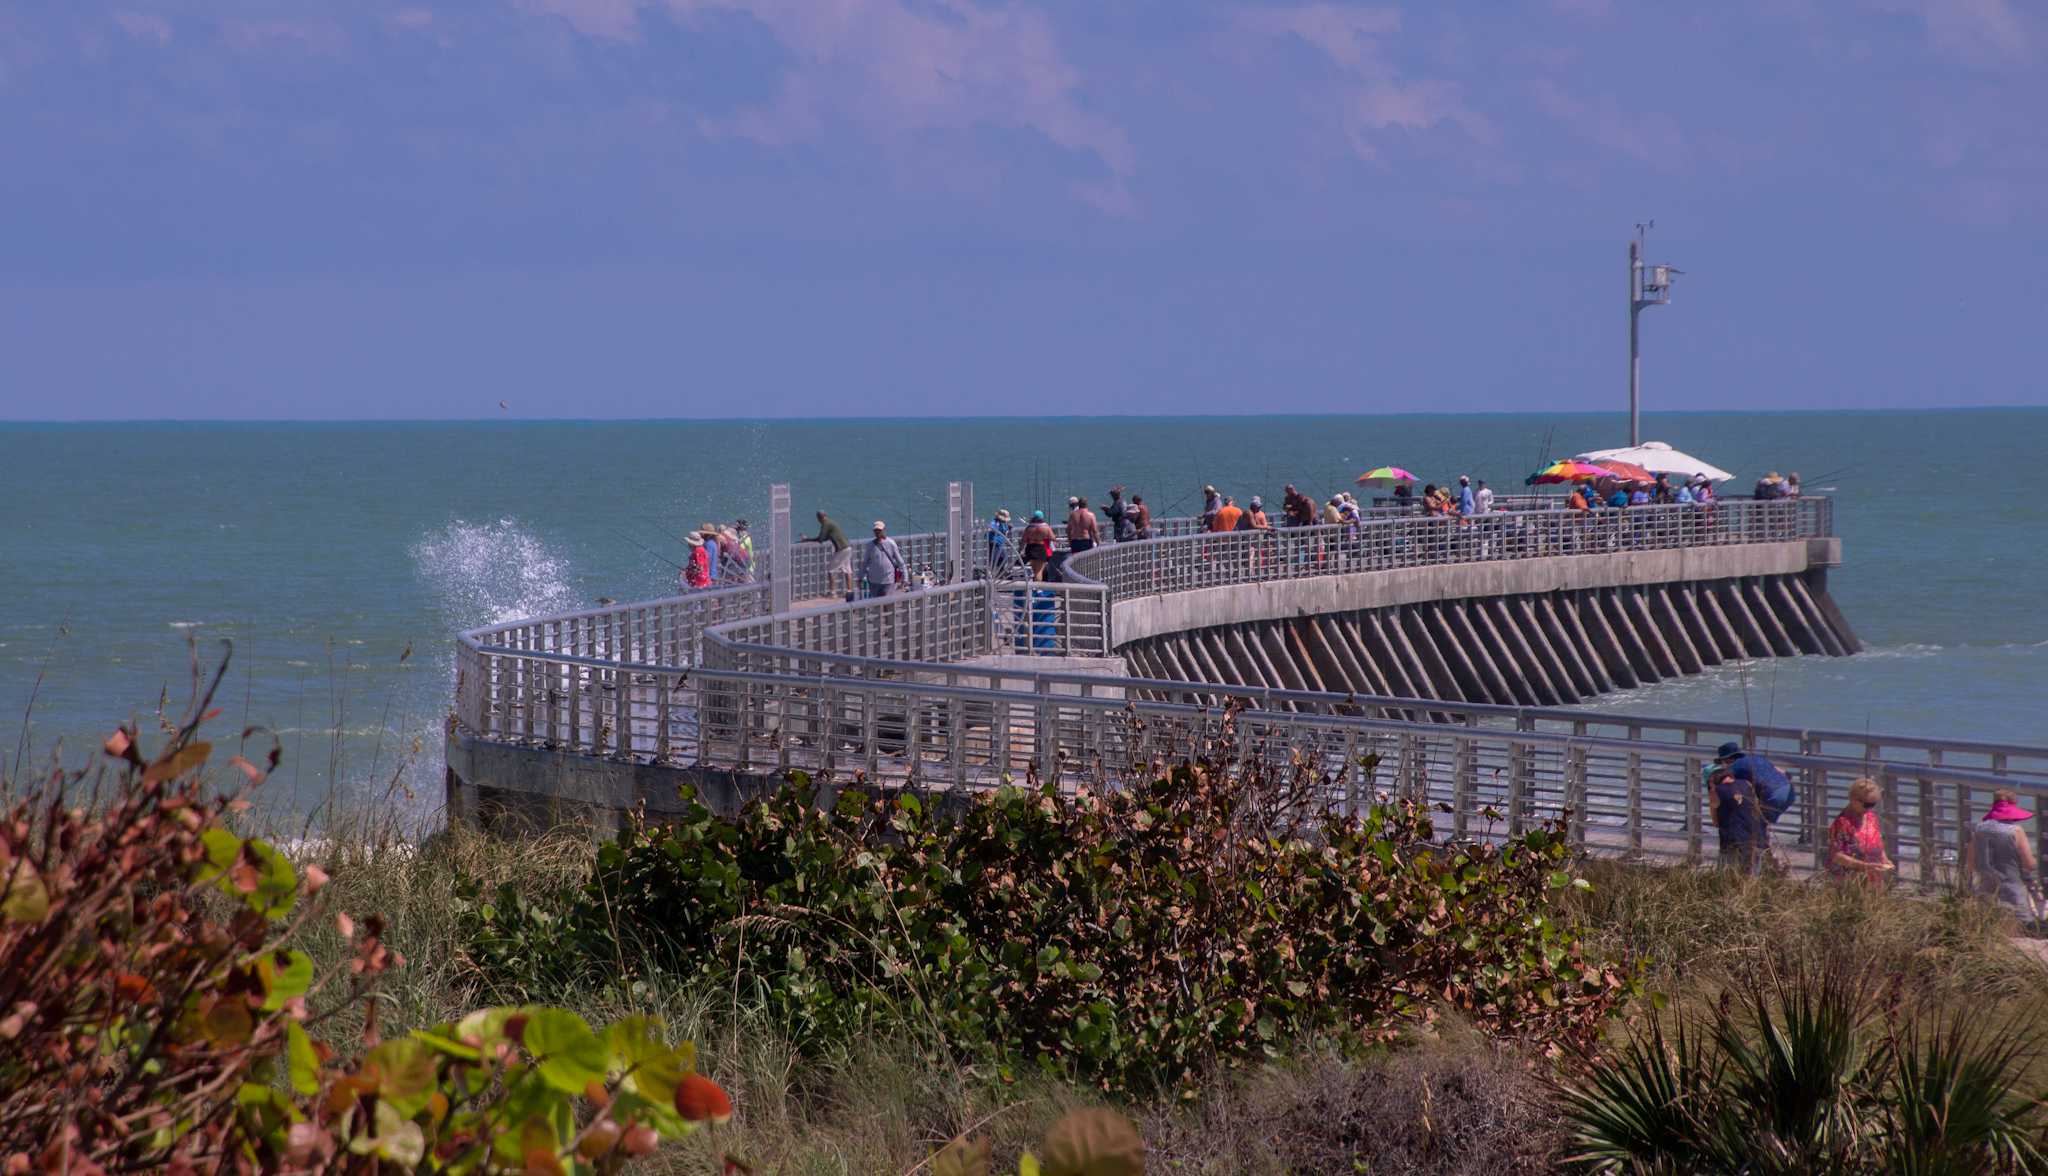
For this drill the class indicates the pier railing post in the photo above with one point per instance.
(956, 529)
(781, 557)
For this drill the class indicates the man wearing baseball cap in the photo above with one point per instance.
(881, 565)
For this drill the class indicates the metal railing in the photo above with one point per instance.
(937, 688)
(1634, 796)
(1193, 562)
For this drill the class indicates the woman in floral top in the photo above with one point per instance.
(1855, 842)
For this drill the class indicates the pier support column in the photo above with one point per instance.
(781, 557)
(1815, 616)
(1273, 643)
(1425, 625)
(1590, 613)
(1390, 652)
(1412, 625)
(1560, 611)
(1535, 671)
(1685, 600)
(1570, 672)
(1659, 650)
(1633, 645)
(1735, 622)
(1780, 642)
(1791, 617)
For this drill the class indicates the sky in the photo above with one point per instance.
(336, 209)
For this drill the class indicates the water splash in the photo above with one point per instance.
(491, 573)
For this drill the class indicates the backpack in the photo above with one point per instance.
(1774, 790)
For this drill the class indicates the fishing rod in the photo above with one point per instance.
(643, 547)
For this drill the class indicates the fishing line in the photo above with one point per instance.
(616, 533)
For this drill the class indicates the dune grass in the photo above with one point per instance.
(1443, 1101)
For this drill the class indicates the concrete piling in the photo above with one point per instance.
(1532, 649)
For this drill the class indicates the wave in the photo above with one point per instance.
(490, 573)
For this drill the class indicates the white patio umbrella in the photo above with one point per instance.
(1658, 458)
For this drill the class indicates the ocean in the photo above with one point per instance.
(339, 559)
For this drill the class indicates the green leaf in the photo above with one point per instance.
(277, 883)
(283, 981)
(405, 1071)
(28, 900)
(486, 1026)
(438, 1040)
(269, 886)
(568, 1055)
(1027, 1165)
(396, 1139)
(651, 1067)
(304, 1060)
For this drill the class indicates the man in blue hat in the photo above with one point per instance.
(1773, 788)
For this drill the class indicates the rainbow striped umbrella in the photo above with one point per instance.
(1385, 476)
(1567, 471)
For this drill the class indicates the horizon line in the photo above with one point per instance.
(930, 419)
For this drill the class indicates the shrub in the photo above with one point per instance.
(1128, 936)
(155, 1013)
(1812, 1071)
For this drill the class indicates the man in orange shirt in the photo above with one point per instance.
(1227, 515)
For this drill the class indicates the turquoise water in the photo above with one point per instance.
(325, 551)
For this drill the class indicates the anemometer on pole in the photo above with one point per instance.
(1648, 285)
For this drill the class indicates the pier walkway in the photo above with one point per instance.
(1413, 644)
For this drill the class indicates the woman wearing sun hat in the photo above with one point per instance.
(1999, 861)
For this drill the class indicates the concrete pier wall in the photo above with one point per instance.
(1570, 633)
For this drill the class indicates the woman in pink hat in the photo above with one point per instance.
(2000, 860)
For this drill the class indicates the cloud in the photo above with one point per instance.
(1349, 36)
(1982, 33)
(1584, 9)
(412, 18)
(312, 36)
(1373, 97)
(1646, 136)
(144, 26)
(898, 68)
(1977, 32)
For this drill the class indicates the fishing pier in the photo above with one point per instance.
(1424, 656)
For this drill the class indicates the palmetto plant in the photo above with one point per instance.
(1811, 1071)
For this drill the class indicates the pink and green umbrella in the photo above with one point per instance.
(1385, 475)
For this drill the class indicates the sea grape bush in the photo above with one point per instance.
(154, 1013)
(1129, 936)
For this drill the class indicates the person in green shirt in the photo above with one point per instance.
(841, 563)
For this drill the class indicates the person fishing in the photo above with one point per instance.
(746, 542)
(1118, 514)
(697, 570)
(841, 565)
(999, 543)
(882, 564)
(1140, 517)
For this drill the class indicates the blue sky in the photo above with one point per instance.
(690, 208)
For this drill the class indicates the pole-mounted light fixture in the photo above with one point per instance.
(1648, 285)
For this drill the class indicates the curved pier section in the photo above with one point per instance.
(1427, 657)
(1540, 648)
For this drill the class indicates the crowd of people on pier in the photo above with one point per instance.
(1038, 545)
(718, 555)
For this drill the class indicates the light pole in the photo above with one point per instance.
(1647, 286)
